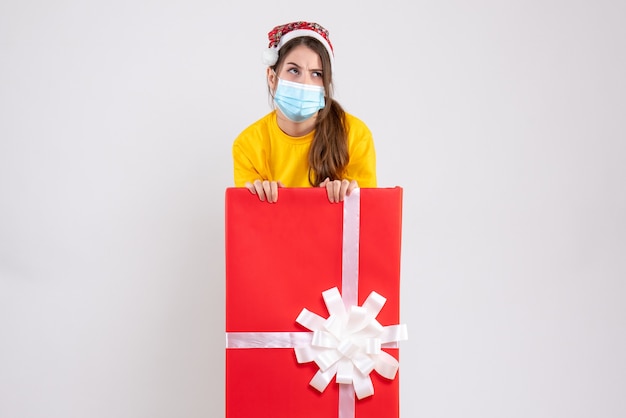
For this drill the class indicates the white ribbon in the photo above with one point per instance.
(346, 345)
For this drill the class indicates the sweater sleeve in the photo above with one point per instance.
(249, 159)
(243, 168)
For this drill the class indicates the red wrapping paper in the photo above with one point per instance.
(279, 259)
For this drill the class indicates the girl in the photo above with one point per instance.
(308, 140)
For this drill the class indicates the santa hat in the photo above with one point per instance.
(282, 34)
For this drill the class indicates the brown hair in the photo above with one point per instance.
(328, 154)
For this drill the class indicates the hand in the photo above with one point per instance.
(337, 190)
(266, 190)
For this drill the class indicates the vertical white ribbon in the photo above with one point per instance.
(350, 251)
(350, 281)
(347, 403)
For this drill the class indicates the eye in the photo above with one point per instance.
(293, 70)
(317, 74)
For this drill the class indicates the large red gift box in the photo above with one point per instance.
(280, 257)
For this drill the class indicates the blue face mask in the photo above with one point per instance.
(297, 101)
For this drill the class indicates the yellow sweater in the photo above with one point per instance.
(263, 151)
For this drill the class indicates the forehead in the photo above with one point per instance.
(304, 57)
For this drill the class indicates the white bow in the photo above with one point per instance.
(348, 344)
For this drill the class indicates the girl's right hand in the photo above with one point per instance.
(265, 189)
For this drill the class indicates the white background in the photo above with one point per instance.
(504, 121)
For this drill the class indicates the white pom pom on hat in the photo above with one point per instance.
(282, 34)
(270, 56)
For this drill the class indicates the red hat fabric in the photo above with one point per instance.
(281, 34)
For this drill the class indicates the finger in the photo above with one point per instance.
(337, 190)
(325, 182)
(267, 190)
(258, 187)
(250, 187)
(353, 185)
(333, 188)
(329, 191)
(343, 188)
(273, 196)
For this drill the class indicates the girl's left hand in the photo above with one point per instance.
(337, 190)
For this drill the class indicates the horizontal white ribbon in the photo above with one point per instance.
(267, 339)
(243, 340)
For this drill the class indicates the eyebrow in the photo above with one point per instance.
(299, 67)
